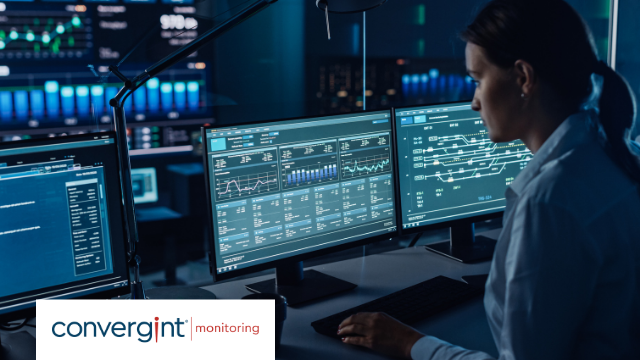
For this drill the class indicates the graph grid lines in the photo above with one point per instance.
(365, 165)
(244, 185)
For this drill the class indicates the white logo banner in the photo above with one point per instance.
(155, 329)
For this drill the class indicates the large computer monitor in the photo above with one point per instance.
(62, 232)
(280, 192)
(47, 89)
(450, 174)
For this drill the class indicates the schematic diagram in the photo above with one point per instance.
(449, 167)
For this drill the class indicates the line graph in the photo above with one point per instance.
(365, 165)
(29, 34)
(246, 185)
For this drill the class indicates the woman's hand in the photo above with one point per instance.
(380, 332)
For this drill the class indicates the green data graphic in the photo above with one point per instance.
(44, 34)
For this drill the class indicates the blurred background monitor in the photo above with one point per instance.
(144, 185)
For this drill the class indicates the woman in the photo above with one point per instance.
(565, 278)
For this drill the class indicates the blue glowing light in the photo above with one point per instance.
(97, 90)
(179, 87)
(82, 91)
(66, 91)
(51, 86)
(153, 83)
(193, 86)
(166, 88)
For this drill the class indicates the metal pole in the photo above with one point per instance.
(364, 60)
(120, 125)
(613, 33)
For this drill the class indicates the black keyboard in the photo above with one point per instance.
(408, 305)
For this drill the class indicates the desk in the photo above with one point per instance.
(376, 276)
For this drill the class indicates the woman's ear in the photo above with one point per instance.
(526, 77)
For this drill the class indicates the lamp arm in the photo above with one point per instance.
(120, 123)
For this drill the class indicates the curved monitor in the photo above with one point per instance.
(449, 171)
(288, 190)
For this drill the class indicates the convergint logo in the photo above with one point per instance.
(145, 331)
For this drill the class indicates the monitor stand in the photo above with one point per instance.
(464, 246)
(17, 346)
(300, 286)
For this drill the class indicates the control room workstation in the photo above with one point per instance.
(393, 178)
(277, 193)
(149, 150)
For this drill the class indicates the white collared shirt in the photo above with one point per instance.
(565, 277)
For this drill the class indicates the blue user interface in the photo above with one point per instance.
(291, 187)
(60, 220)
(448, 168)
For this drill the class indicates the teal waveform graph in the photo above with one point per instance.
(365, 165)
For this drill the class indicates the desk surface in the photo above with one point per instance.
(376, 276)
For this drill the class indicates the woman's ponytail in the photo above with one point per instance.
(617, 118)
(554, 39)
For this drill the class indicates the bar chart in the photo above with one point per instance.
(55, 101)
(308, 163)
(310, 174)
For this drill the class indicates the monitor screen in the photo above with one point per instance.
(51, 53)
(287, 188)
(144, 185)
(61, 225)
(448, 168)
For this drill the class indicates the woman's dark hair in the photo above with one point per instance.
(554, 39)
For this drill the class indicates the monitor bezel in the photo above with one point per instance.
(438, 225)
(293, 259)
(106, 294)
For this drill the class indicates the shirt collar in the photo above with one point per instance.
(564, 138)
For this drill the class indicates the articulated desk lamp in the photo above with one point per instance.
(131, 85)
(120, 123)
(346, 7)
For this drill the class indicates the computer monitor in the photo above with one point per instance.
(62, 230)
(144, 185)
(450, 174)
(283, 191)
(47, 88)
